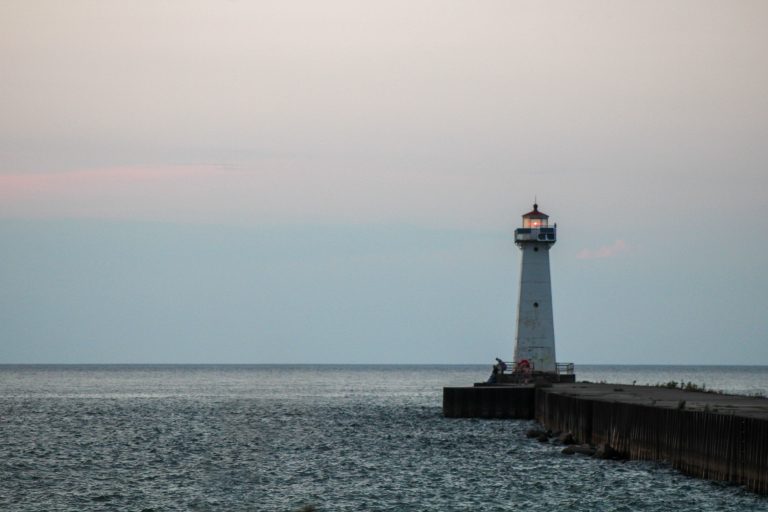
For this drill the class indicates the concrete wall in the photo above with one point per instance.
(699, 443)
(489, 402)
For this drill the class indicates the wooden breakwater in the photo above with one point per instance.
(717, 445)
(706, 435)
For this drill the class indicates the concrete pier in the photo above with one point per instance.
(514, 402)
(706, 435)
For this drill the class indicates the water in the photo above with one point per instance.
(255, 438)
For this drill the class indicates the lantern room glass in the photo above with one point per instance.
(529, 222)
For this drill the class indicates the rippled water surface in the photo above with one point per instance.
(337, 437)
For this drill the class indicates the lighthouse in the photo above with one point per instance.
(535, 339)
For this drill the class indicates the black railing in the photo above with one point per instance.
(526, 366)
(527, 231)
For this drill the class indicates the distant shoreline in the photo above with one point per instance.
(380, 365)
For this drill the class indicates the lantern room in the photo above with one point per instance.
(536, 228)
(535, 219)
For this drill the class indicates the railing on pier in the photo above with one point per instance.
(528, 367)
(524, 372)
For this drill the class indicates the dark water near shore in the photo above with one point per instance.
(339, 437)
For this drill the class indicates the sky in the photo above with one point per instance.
(339, 182)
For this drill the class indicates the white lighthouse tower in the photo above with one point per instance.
(535, 340)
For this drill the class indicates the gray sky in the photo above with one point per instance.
(339, 181)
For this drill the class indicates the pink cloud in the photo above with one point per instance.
(122, 192)
(607, 251)
(270, 190)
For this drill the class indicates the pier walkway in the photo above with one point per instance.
(752, 407)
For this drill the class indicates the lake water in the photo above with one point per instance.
(340, 438)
